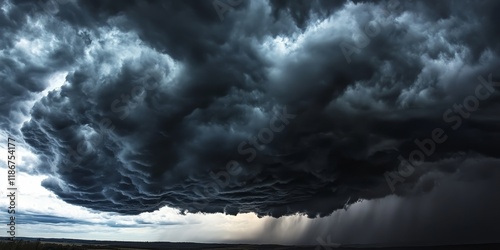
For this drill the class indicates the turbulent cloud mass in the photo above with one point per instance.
(270, 107)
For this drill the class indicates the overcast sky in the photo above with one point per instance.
(280, 121)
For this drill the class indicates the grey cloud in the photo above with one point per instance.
(111, 150)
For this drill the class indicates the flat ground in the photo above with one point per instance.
(60, 244)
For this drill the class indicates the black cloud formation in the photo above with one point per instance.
(162, 100)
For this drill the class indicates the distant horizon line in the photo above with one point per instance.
(357, 245)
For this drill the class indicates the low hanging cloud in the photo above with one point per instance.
(164, 104)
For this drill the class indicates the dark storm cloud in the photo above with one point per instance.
(459, 209)
(301, 11)
(24, 75)
(159, 98)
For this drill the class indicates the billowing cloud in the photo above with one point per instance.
(281, 108)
